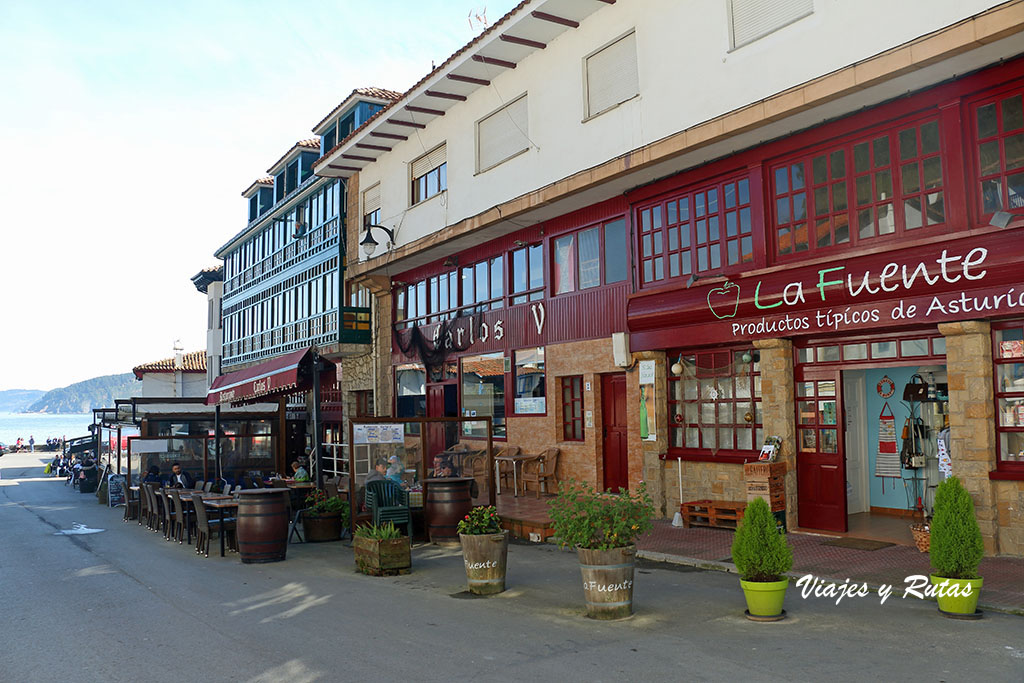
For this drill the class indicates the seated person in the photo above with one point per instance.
(444, 465)
(299, 472)
(379, 473)
(152, 475)
(180, 479)
(395, 470)
(89, 477)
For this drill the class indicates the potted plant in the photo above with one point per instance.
(484, 550)
(956, 551)
(762, 556)
(382, 550)
(324, 517)
(603, 527)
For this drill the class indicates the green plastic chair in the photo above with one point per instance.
(388, 502)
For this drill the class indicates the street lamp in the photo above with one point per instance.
(369, 245)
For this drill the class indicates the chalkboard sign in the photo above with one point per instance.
(115, 490)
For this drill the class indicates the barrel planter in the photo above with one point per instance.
(448, 500)
(321, 528)
(608, 581)
(382, 558)
(262, 525)
(485, 557)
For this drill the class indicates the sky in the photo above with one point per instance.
(128, 131)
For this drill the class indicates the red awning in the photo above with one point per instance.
(278, 376)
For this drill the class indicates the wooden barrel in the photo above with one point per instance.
(262, 525)
(447, 502)
(485, 557)
(608, 581)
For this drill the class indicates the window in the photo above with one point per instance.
(254, 207)
(704, 230)
(530, 387)
(482, 288)
(527, 274)
(915, 347)
(279, 187)
(611, 76)
(371, 206)
(1008, 357)
(572, 408)
(329, 140)
(753, 19)
(502, 135)
(483, 394)
(889, 184)
(429, 174)
(291, 176)
(714, 404)
(999, 127)
(411, 393)
(359, 296)
(578, 257)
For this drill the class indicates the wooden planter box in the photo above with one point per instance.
(383, 558)
(321, 528)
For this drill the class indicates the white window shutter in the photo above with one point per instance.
(503, 134)
(612, 75)
(371, 199)
(429, 161)
(753, 19)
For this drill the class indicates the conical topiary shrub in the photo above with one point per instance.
(760, 552)
(956, 544)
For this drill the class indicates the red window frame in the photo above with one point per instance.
(1008, 396)
(1004, 134)
(572, 408)
(531, 292)
(711, 364)
(573, 271)
(879, 186)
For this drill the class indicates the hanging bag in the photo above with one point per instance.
(916, 389)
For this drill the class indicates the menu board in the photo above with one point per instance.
(378, 433)
(115, 490)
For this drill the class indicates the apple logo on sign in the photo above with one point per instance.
(725, 300)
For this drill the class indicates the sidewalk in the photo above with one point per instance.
(1003, 589)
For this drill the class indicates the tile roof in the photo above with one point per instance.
(193, 361)
(376, 93)
(265, 180)
(309, 143)
(438, 69)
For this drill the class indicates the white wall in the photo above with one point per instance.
(687, 75)
(173, 384)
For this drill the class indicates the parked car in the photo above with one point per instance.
(3, 448)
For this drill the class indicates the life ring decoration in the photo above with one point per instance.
(886, 387)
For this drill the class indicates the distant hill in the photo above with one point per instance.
(16, 400)
(81, 397)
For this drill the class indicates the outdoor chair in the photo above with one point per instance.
(540, 470)
(205, 527)
(168, 511)
(388, 502)
(208, 486)
(179, 521)
(143, 505)
(198, 486)
(506, 472)
(331, 489)
(152, 508)
(131, 504)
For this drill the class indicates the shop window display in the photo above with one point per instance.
(714, 403)
(483, 394)
(1008, 358)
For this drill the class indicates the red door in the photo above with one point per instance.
(441, 403)
(820, 463)
(616, 445)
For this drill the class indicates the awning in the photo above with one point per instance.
(276, 377)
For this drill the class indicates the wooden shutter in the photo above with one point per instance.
(503, 134)
(429, 161)
(612, 75)
(371, 199)
(753, 19)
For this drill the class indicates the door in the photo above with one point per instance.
(820, 468)
(441, 402)
(615, 433)
(855, 426)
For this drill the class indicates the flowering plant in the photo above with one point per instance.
(585, 518)
(480, 520)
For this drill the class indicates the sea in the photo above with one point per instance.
(43, 426)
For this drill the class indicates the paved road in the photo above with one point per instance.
(124, 605)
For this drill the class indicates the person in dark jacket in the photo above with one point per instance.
(153, 475)
(88, 476)
(180, 478)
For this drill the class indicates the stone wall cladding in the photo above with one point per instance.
(972, 431)
(779, 412)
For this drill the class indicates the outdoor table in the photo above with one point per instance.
(221, 503)
(516, 461)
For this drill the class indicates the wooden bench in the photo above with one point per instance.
(724, 514)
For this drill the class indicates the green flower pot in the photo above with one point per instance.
(764, 598)
(958, 603)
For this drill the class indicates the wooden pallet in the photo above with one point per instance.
(724, 514)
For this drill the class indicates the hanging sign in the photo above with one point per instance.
(648, 428)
